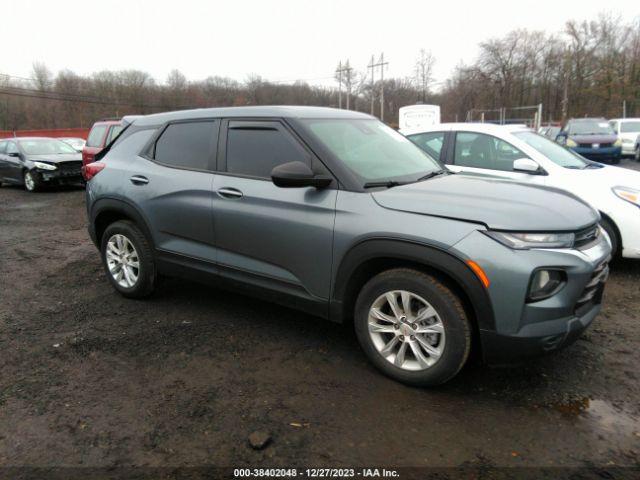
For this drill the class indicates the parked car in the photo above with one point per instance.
(593, 138)
(36, 161)
(76, 143)
(332, 212)
(627, 130)
(101, 134)
(521, 154)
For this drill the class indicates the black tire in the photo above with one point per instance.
(637, 155)
(613, 236)
(33, 186)
(146, 280)
(449, 307)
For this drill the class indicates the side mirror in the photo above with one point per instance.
(296, 175)
(526, 165)
(13, 154)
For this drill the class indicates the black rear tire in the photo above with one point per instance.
(613, 236)
(637, 155)
(449, 308)
(146, 280)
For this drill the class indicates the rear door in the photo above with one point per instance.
(267, 235)
(172, 184)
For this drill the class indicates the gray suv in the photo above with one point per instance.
(334, 213)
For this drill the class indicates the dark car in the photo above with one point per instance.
(592, 138)
(335, 213)
(37, 161)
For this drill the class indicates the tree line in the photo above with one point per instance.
(588, 69)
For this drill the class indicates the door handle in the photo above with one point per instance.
(139, 180)
(228, 192)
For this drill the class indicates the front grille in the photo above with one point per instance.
(590, 145)
(587, 237)
(70, 168)
(592, 293)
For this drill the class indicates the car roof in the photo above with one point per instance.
(31, 138)
(628, 119)
(251, 111)
(472, 126)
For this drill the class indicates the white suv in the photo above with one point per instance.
(628, 130)
(518, 153)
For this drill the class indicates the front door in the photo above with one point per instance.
(266, 234)
(480, 153)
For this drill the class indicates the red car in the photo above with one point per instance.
(101, 134)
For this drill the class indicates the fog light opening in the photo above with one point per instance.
(545, 283)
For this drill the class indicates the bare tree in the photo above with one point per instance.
(424, 72)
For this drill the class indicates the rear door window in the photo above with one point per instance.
(189, 145)
(255, 148)
(96, 135)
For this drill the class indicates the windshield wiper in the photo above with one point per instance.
(432, 174)
(385, 183)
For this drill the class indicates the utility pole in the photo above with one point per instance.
(339, 72)
(624, 109)
(380, 64)
(372, 67)
(346, 68)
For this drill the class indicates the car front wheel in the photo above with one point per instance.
(128, 259)
(412, 327)
(31, 181)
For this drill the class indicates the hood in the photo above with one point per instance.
(595, 138)
(498, 204)
(65, 157)
(608, 176)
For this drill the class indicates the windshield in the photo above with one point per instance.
(590, 128)
(554, 152)
(373, 151)
(630, 127)
(45, 146)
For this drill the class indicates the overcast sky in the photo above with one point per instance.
(281, 40)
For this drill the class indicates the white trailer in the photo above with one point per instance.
(413, 118)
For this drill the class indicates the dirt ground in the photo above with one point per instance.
(89, 378)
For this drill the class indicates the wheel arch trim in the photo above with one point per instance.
(117, 206)
(422, 255)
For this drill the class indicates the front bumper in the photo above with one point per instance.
(608, 153)
(59, 176)
(524, 329)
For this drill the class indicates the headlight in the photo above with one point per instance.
(617, 143)
(545, 283)
(525, 241)
(631, 195)
(571, 143)
(44, 166)
(626, 140)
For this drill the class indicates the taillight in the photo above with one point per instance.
(90, 170)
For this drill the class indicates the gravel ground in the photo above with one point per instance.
(90, 378)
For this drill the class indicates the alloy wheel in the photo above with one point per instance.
(122, 260)
(406, 330)
(29, 182)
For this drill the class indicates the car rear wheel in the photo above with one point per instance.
(412, 327)
(637, 155)
(31, 181)
(128, 259)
